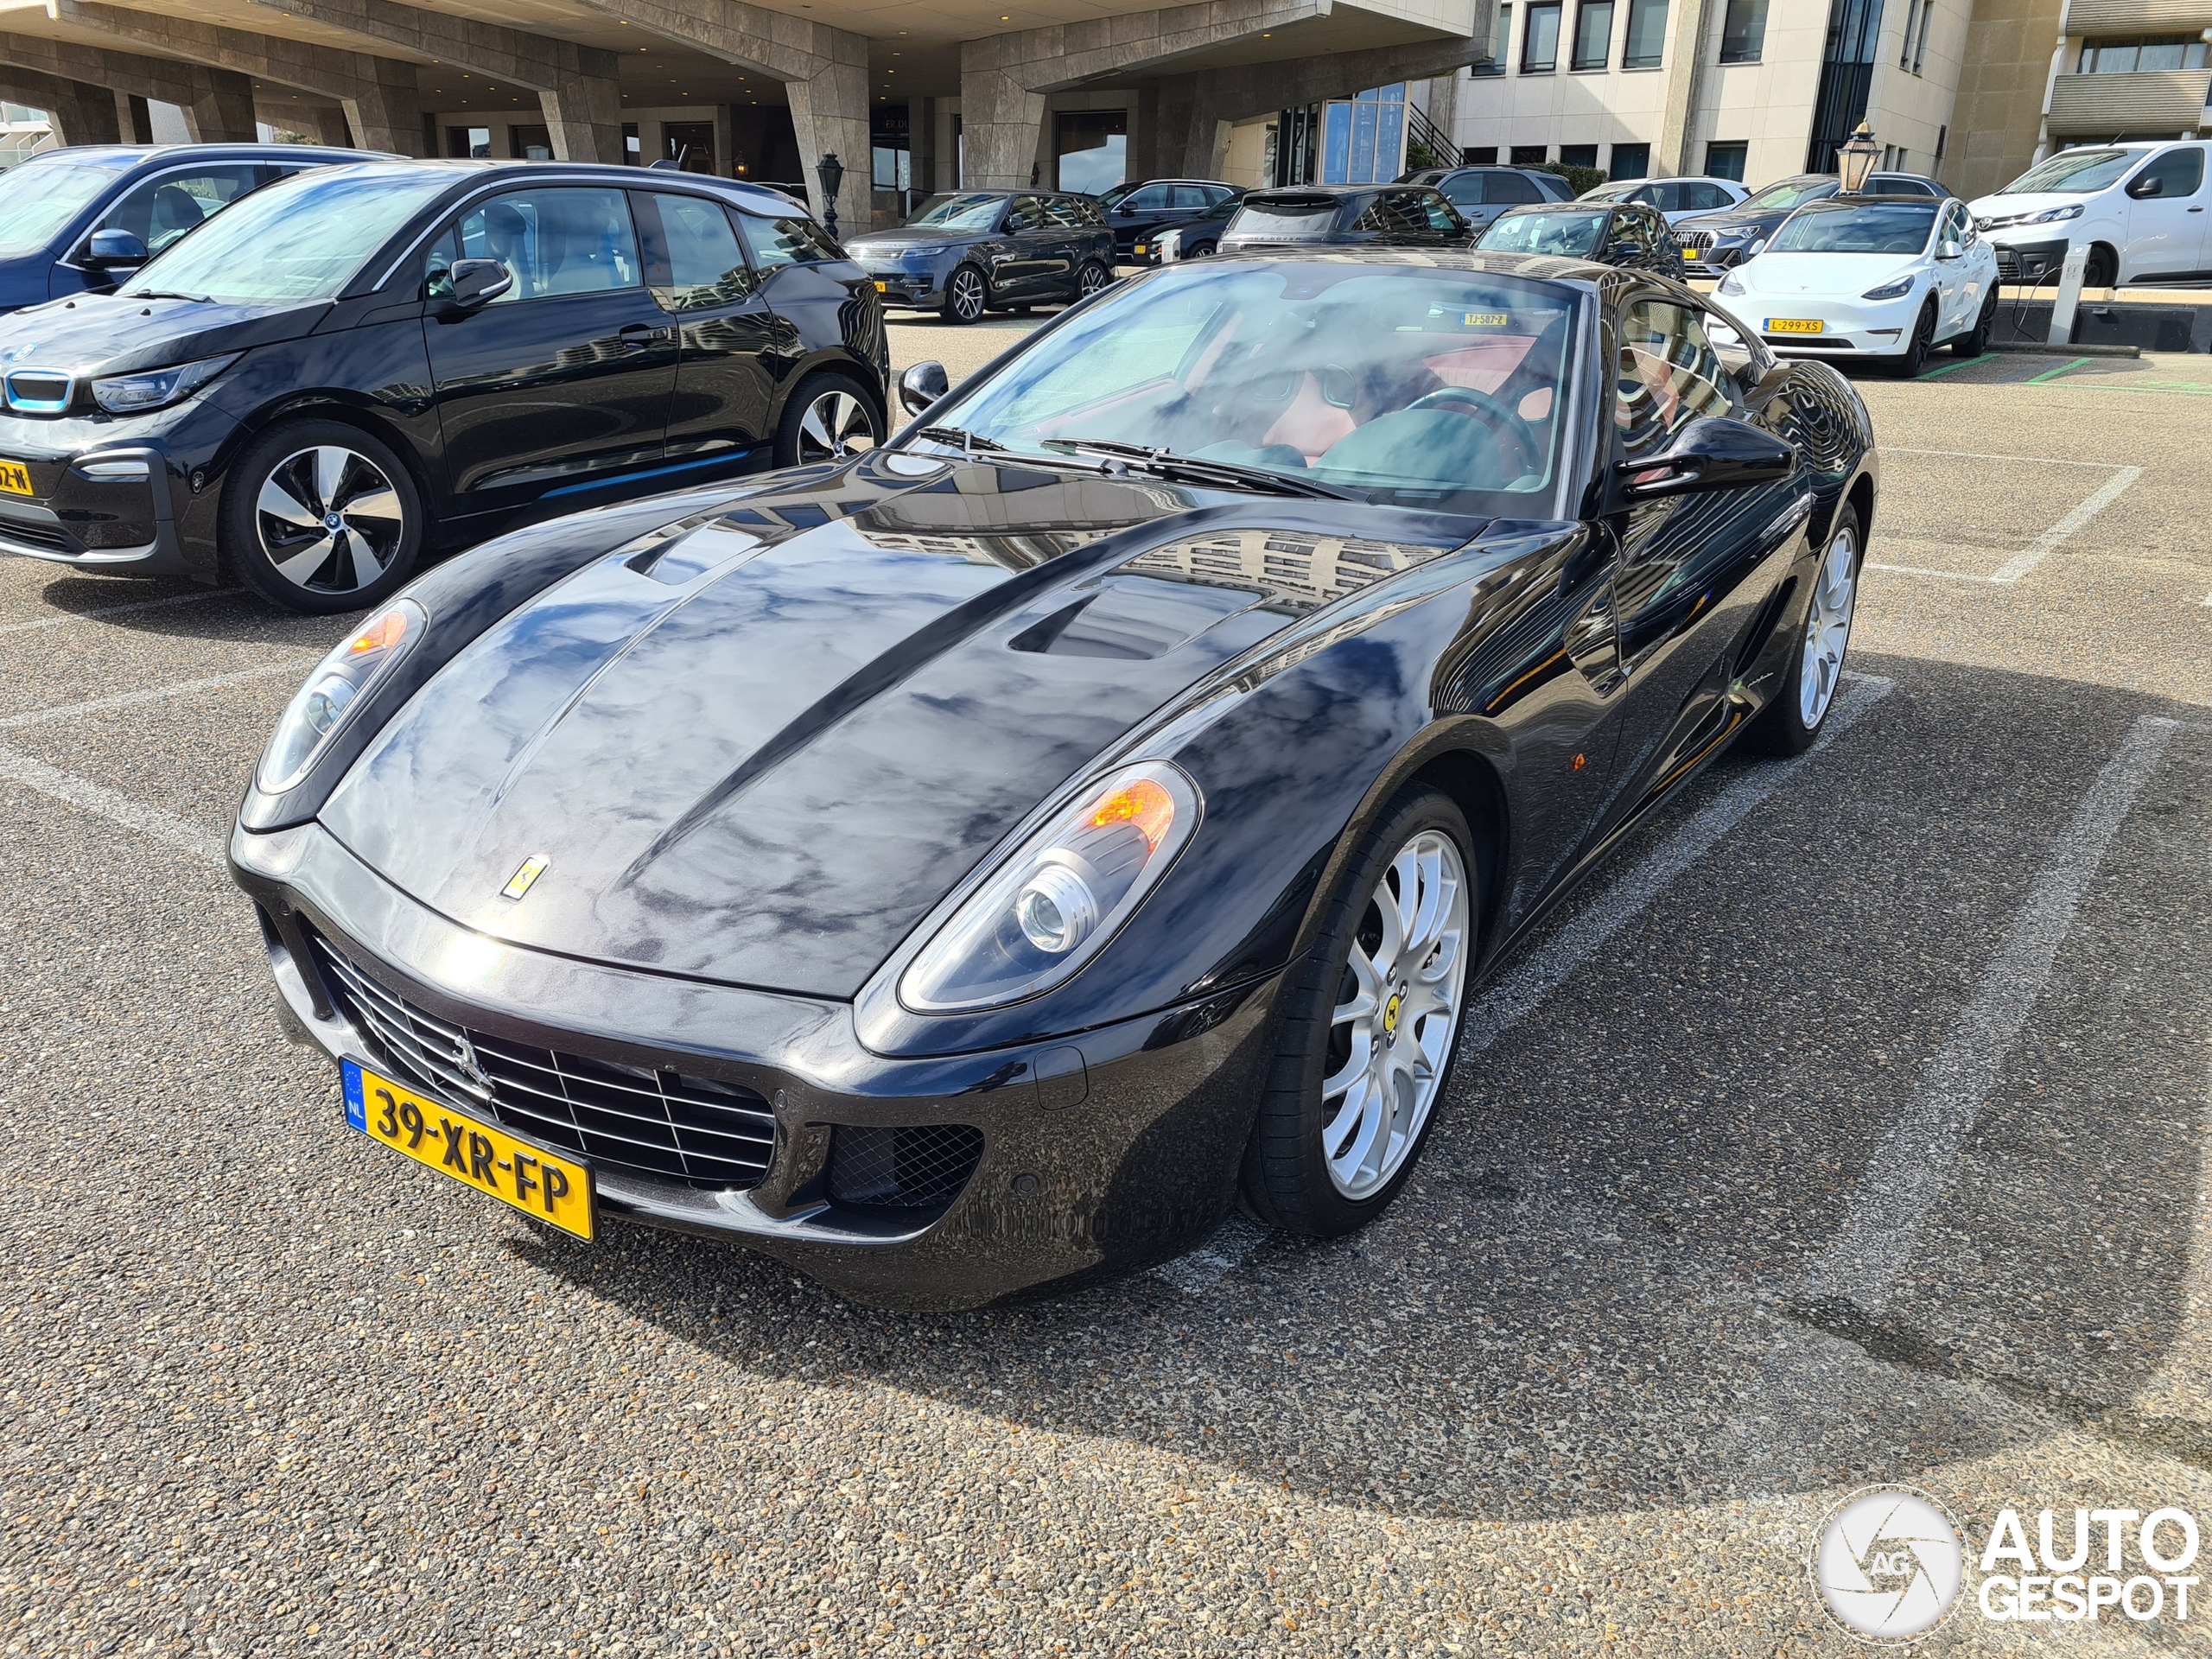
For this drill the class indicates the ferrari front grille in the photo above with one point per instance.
(915, 1167)
(657, 1123)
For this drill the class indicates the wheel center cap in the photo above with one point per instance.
(1391, 1012)
(332, 521)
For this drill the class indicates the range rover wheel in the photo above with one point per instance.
(1092, 278)
(828, 418)
(966, 295)
(319, 516)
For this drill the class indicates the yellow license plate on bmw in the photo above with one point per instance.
(16, 478)
(1794, 325)
(475, 1152)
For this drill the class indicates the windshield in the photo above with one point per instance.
(963, 213)
(1113, 197)
(1409, 385)
(1283, 218)
(1891, 227)
(1614, 192)
(1786, 195)
(293, 242)
(2075, 172)
(1572, 234)
(41, 198)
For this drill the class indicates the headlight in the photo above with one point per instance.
(928, 252)
(332, 690)
(128, 394)
(1733, 285)
(2053, 215)
(1895, 290)
(1055, 903)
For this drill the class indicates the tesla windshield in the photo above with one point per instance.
(1412, 386)
(1571, 234)
(968, 212)
(298, 240)
(43, 196)
(1887, 227)
(2074, 173)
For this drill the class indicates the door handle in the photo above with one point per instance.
(636, 336)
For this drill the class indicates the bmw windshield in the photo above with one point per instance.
(1409, 386)
(43, 195)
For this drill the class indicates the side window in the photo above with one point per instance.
(699, 252)
(437, 267)
(1891, 185)
(1441, 219)
(1956, 227)
(1150, 200)
(779, 242)
(1066, 213)
(556, 242)
(1705, 198)
(1026, 214)
(1513, 187)
(2179, 172)
(1192, 196)
(1465, 190)
(1667, 198)
(1669, 376)
(162, 209)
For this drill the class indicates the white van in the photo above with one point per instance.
(2141, 207)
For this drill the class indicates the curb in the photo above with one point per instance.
(2028, 348)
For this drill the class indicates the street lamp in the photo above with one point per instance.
(831, 172)
(1856, 160)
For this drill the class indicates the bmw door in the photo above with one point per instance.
(563, 380)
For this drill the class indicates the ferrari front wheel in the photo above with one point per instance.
(1790, 724)
(1370, 1027)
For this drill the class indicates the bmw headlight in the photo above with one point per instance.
(1056, 902)
(333, 690)
(130, 394)
(1895, 290)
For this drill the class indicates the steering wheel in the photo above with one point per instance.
(1497, 413)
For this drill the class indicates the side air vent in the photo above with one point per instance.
(909, 1168)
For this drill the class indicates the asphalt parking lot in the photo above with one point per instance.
(1852, 1125)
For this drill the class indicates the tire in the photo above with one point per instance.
(1090, 278)
(1326, 1163)
(1200, 252)
(1976, 340)
(1790, 723)
(2103, 269)
(1923, 340)
(827, 418)
(967, 295)
(309, 487)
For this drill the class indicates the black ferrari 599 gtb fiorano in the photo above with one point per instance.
(987, 859)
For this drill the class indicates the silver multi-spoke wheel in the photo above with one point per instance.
(1092, 278)
(1828, 627)
(329, 519)
(836, 424)
(1391, 1034)
(965, 299)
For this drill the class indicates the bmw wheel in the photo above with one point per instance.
(966, 295)
(1370, 1026)
(827, 418)
(319, 517)
(1801, 706)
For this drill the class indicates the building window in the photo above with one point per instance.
(1942, 138)
(530, 144)
(633, 149)
(1743, 31)
(1920, 50)
(1481, 155)
(1579, 155)
(1501, 50)
(1904, 46)
(690, 144)
(2128, 57)
(469, 142)
(1631, 162)
(1727, 160)
(1540, 39)
(1647, 35)
(1529, 155)
(1847, 59)
(1594, 34)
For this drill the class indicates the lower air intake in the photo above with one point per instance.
(913, 1168)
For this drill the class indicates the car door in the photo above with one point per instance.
(1691, 567)
(563, 379)
(1954, 276)
(732, 349)
(1021, 267)
(1074, 242)
(1138, 215)
(2165, 215)
(1446, 228)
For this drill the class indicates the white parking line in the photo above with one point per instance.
(1911, 1166)
(155, 693)
(2043, 545)
(152, 820)
(64, 620)
(1977, 454)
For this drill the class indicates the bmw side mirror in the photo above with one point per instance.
(115, 250)
(922, 385)
(1716, 452)
(477, 282)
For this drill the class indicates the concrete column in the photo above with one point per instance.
(81, 114)
(324, 123)
(219, 109)
(921, 136)
(584, 115)
(1685, 75)
(1001, 121)
(383, 109)
(829, 114)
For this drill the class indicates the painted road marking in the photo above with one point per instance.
(65, 620)
(2053, 374)
(155, 693)
(1982, 454)
(1912, 1166)
(2066, 528)
(149, 821)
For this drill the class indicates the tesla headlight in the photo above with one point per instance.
(333, 690)
(129, 394)
(1895, 290)
(1733, 285)
(1055, 903)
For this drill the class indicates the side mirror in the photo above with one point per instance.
(2142, 189)
(1125, 209)
(477, 282)
(922, 385)
(1949, 248)
(1752, 252)
(115, 250)
(1716, 452)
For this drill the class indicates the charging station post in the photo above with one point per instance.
(2070, 294)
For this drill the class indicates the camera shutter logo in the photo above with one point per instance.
(1887, 1564)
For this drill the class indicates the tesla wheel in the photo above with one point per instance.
(2103, 269)
(1975, 341)
(1800, 708)
(319, 517)
(1092, 278)
(827, 418)
(1914, 356)
(966, 295)
(1371, 1025)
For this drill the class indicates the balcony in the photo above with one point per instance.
(2138, 16)
(2160, 102)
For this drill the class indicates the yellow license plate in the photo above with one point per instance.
(1139, 247)
(1794, 325)
(546, 1185)
(16, 478)
(883, 288)
(1689, 253)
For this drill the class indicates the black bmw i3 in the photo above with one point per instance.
(358, 363)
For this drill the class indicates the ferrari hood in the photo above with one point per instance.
(758, 749)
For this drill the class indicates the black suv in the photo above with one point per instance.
(357, 362)
(969, 252)
(1716, 241)
(1140, 212)
(1481, 193)
(1390, 215)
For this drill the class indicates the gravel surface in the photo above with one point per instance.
(270, 1389)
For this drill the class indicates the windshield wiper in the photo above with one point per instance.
(166, 293)
(1197, 469)
(971, 443)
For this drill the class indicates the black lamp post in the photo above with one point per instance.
(831, 172)
(1856, 160)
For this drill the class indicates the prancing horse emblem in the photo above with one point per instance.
(464, 1055)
